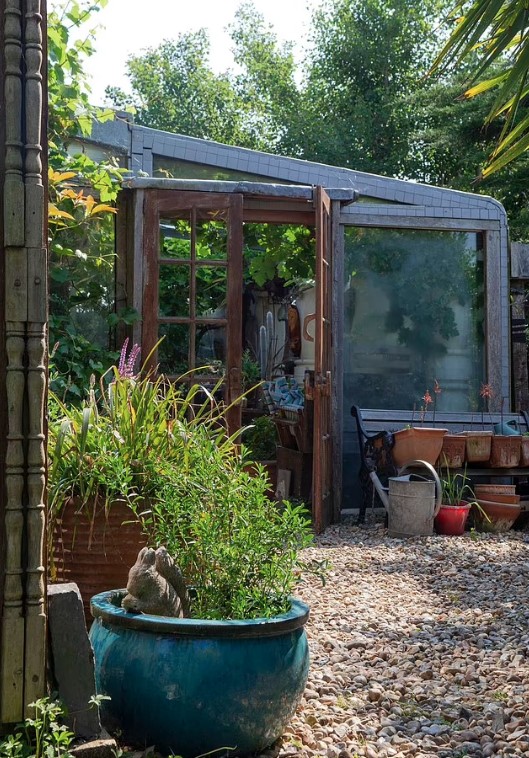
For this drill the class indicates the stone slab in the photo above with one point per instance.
(106, 748)
(72, 659)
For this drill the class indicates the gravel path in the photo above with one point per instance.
(419, 647)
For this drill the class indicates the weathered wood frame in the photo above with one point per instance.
(137, 232)
(491, 231)
(23, 371)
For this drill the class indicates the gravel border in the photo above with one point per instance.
(419, 647)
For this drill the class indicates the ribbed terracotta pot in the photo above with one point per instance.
(94, 547)
(505, 451)
(524, 457)
(453, 451)
(478, 446)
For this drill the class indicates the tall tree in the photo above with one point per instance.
(366, 60)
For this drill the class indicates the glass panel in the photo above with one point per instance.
(173, 290)
(211, 236)
(414, 303)
(173, 352)
(210, 346)
(175, 237)
(174, 168)
(211, 282)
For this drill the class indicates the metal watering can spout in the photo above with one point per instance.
(382, 491)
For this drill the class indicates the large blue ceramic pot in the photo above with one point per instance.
(190, 686)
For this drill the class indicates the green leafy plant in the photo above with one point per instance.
(235, 547)
(260, 439)
(251, 371)
(165, 449)
(456, 488)
(42, 735)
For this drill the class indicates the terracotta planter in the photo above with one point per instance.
(478, 446)
(499, 497)
(94, 548)
(420, 443)
(524, 457)
(501, 516)
(505, 451)
(451, 519)
(482, 490)
(453, 451)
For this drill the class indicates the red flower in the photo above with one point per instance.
(436, 387)
(427, 398)
(486, 391)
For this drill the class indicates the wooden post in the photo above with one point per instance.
(23, 370)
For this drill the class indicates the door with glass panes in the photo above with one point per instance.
(192, 288)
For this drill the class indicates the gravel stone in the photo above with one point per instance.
(419, 647)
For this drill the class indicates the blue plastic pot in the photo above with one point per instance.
(190, 686)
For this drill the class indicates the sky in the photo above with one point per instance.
(131, 26)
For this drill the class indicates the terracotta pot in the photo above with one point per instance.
(478, 446)
(524, 457)
(500, 516)
(419, 443)
(451, 519)
(505, 451)
(504, 489)
(94, 547)
(453, 451)
(499, 497)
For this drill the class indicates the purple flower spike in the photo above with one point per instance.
(126, 364)
(123, 358)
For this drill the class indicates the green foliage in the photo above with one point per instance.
(260, 439)
(456, 488)
(81, 224)
(498, 31)
(164, 448)
(284, 251)
(365, 60)
(251, 371)
(235, 546)
(41, 735)
(116, 445)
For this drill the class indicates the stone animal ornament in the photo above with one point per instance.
(156, 585)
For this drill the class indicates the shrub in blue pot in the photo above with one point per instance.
(228, 673)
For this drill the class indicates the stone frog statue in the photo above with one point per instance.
(156, 585)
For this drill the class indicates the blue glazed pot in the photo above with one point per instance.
(190, 686)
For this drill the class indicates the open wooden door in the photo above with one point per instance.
(322, 500)
(192, 287)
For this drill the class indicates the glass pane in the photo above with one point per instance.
(210, 347)
(175, 237)
(414, 303)
(211, 282)
(212, 236)
(173, 290)
(173, 352)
